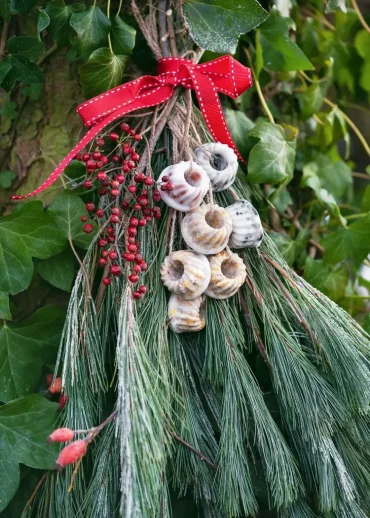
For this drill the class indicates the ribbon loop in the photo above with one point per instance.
(224, 74)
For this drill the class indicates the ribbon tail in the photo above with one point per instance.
(158, 96)
(210, 105)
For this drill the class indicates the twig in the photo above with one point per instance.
(39, 484)
(364, 176)
(281, 270)
(171, 33)
(258, 88)
(81, 265)
(189, 110)
(50, 51)
(191, 448)
(351, 124)
(360, 16)
(4, 37)
(146, 32)
(163, 29)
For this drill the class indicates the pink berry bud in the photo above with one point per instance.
(61, 435)
(56, 387)
(71, 453)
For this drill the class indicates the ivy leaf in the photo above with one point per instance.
(335, 177)
(5, 66)
(122, 37)
(272, 155)
(331, 282)
(59, 270)
(334, 4)
(103, 71)
(25, 70)
(92, 27)
(290, 248)
(24, 348)
(238, 124)
(280, 53)
(33, 91)
(43, 21)
(28, 232)
(59, 15)
(30, 48)
(352, 242)
(22, 6)
(66, 210)
(4, 306)
(312, 98)
(24, 427)
(217, 24)
(365, 202)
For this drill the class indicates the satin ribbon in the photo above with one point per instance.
(224, 74)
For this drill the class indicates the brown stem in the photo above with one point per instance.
(81, 265)
(39, 484)
(146, 32)
(360, 16)
(163, 29)
(191, 448)
(4, 37)
(171, 33)
(281, 270)
(189, 110)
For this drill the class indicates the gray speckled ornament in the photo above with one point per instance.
(220, 163)
(247, 227)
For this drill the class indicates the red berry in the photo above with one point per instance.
(134, 222)
(132, 248)
(133, 277)
(111, 239)
(144, 194)
(137, 268)
(142, 222)
(137, 206)
(148, 218)
(163, 187)
(63, 398)
(102, 191)
(124, 126)
(131, 240)
(91, 164)
(115, 211)
(114, 219)
(165, 179)
(110, 231)
(115, 158)
(131, 164)
(132, 189)
(156, 197)
(125, 205)
(113, 136)
(143, 289)
(78, 156)
(61, 435)
(103, 242)
(125, 168)
(136, 295)
(114, 193)
(113, 255)
(99, 164)
(106, 183)
(120, 178)
(101, 176)
(115, 269)
(132, 132)
(71, 453)
(105, 253)
(129, 257)
(106, 281)
(135, 157)
(100, 213)
(56, 387)
(115, 184)
(102, 262)
(143, 202)
(143, 266)
(132, 231)
(169, 186)
(83, 218)
(85, 157)
(49, 379)
(138, 137)
(138, 258)
(88, 184)
(100, 142)
(104, 159)
(148, 181)
(90, 207)
(96, 155)
(88, 228)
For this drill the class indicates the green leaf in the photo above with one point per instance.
(335, 177)
(280, 53)
(238, 124)
(92, 27)
(334, 4)
(272, 155)
(290, 248)
(24, 348)
(259, 55)
(331, 282)
(352, 242)
(217, 24)
(9, 110)
(59, 15)
(367, 324)
(25, 70)
(24, 427)
(5, 66)
(362, 43)
(30, 48)
(4, 306)
(33, 91)
(5, 10)
(365, 202)
(102, 72)
(43, 21)
(28, 232)
(22, 6)
(59, 270)
(122, 37)
(312, 98)
(66, 210)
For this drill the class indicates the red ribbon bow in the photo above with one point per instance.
(223, 74)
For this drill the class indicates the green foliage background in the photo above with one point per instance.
(302, 129)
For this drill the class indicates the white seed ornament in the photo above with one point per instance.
(247, 227)
(186, 315)
(228, 273)
(190, 184)
(207, 229)
(186, 273)
(220, 162)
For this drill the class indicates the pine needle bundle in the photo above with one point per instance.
(266, 408)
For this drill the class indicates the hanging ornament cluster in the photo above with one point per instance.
(209, 268)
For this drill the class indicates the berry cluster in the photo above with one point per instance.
(116, 175)
(55, 389)
(166, 185)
